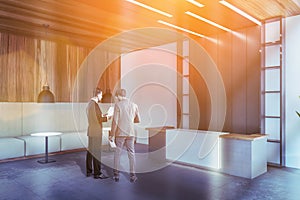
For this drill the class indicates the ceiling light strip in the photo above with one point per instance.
(195, 3)
(235, 9)
(207, 21)
(180, 28)
(150, 8)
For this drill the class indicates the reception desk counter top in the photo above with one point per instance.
(160, 128)
(243, 136)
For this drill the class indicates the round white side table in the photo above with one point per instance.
(46, 135)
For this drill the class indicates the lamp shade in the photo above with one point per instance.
(107, 97)
(46, 96)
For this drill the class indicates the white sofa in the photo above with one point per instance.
(10, 128)
(11, 148)
(19, 120)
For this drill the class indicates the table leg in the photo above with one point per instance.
(46, 153)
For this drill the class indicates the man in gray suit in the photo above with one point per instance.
(125, 115)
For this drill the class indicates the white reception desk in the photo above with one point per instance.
(235, 154)
(244, 155)
(194, 147)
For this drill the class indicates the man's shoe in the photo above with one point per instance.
(116, 178)
(101, 176)
(88, 174)
(133, 179)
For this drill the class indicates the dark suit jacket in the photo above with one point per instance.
(95, 119)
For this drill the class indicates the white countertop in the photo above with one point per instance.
(45, 134)
(106, 128)
(249, 137)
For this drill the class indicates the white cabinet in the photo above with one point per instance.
(244, 155)
(194, 147)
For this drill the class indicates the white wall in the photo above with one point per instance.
(150, 78)
(292, 91)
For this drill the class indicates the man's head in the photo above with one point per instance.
(121, 94)
(98, 94)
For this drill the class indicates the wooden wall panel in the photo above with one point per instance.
(202, 92)
(224, 63)
(26, 64)
(253, 80)
(238, 60)
(28, 70)
(211, 46)
(239, 87)
(61, 76)
(203, 98)
(111, 77)
(3, 64)
(76, 57)
(17, 67)
(12, 68)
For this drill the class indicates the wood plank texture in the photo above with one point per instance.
(88, 22)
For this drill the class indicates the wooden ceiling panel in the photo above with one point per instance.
(266, 9)
(88, 22)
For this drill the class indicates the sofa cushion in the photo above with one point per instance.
(10, 119)
(73, 140)
(76, 140)
(40, 117)
(11, 148)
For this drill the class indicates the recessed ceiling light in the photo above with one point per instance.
(237, 10)
(195, 3)
(150, 8)
(180, 28)
(207, 21)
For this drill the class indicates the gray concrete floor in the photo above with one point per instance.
(65, 179)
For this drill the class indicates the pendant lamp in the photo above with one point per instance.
(45, 96)
(107, 97)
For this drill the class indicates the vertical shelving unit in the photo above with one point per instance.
(272, 88)
(183, 86)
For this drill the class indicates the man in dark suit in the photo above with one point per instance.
(95, 119)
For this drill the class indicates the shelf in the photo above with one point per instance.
(270, 67)
(271, 43)
(271, 92)
(273, 141)
(276, 117)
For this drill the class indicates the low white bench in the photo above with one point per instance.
(19, 120)
(11, 148)
(11, 127)
(73, 140)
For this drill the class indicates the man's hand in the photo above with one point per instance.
(111, 138)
